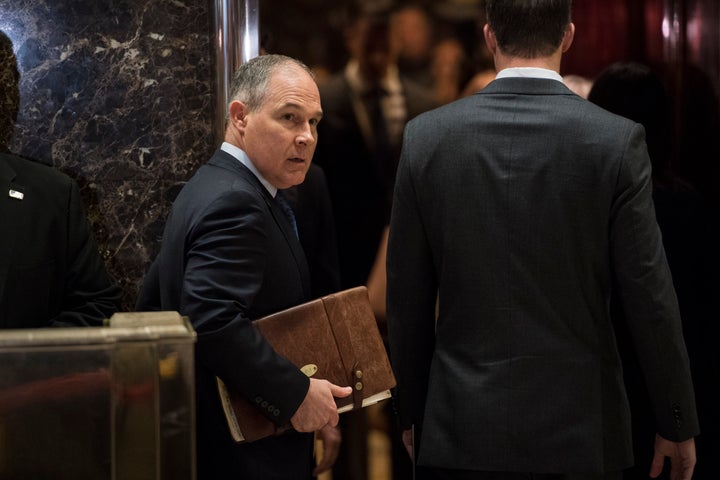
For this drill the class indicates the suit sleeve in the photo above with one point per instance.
(647, 295)
(89, 294)
(411, 294)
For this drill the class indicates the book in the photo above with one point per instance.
(335, 338)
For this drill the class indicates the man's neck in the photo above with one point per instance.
(549, 63)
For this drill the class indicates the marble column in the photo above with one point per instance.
(119, 95)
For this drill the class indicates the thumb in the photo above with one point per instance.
(340, 392)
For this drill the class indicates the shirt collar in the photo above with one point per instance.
(242, 157)
(529, 72)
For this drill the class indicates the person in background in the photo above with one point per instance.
(413, 35)
(519, 213)
(638, 92)
(366, 106)
(51, 271)
(230, 254)
(578, 84)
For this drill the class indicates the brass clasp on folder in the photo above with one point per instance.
(357, 385)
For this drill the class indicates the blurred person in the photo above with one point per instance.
(412, 31)
(458, 69)
(366, 106)
(519, 212)
(230, 254)
(449, 65)
(51, 271)
(698, 132)
(578, 84)
(638, 92)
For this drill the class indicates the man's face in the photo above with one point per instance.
(280, 138)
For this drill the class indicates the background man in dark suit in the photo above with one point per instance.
(519, 210)
(51, 272)
(366, 106)
(230, 255)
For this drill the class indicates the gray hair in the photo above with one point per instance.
(249, 83)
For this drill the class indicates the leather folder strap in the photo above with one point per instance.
(351, 364)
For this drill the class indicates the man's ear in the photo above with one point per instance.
(237, 114)
(568, 37)
(490, 39)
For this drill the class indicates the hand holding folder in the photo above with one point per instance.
(335, 338)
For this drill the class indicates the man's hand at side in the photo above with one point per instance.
(682, 458)
(330, 438)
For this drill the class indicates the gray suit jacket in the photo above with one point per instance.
(229, 256)
(520, 209)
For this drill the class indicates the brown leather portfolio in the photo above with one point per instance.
(335, 338)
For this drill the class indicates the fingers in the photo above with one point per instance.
(330, 436)
(408, 442)
(656, 466)
(682, 458)
(334, 418)
(318, 408)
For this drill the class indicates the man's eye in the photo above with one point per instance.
(288, 116)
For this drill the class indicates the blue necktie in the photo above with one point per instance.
(287, 210)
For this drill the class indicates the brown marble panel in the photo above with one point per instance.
(118, 94)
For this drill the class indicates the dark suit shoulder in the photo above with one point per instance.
(32, 173)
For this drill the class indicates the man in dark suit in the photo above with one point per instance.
(517, 211)
(366, 107)
(230, 255)
(51, 272)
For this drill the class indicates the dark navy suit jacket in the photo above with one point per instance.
(229, 256)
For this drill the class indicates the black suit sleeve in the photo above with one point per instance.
(89, 295)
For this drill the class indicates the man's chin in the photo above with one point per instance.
(295, 179)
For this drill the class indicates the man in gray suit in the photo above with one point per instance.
(517, 213)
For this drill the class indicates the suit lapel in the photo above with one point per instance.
(225, 160)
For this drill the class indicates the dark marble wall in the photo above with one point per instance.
(119, 95)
